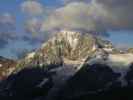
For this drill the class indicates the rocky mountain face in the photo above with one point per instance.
(6, 67)
(70, 65)
(67, 46)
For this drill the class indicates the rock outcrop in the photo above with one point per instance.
(7, 66)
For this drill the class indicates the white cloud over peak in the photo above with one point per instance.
(7, 22)
(91, 15)
(32, 7)
(33, 25)
(7, 29)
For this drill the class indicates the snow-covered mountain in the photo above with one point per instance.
(73, 48)
(87, 63)
(67, 46)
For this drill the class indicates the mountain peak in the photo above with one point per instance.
(69, 32)
(65, 46)
(70, 52)
(70, 36)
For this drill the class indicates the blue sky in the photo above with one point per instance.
(13, 7)
(122, 39)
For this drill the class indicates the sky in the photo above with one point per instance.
(26, 24)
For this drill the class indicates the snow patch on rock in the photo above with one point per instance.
(1, 65)
(30, 55)
(108, 49)
(122, 59)
(120, 63)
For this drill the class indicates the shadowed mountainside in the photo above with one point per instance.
(95, 82)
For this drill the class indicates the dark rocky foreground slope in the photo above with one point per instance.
(97, 82)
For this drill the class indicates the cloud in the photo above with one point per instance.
(116, 14)
(7, 29)
(76, 15)
(32, 7)
(33, 25)
(7, 22)
(21, 53)
(33, 22)
(3, 43)
(122, 46)
(5, 38)
(91, 15)
(32, 40)
(69, 1)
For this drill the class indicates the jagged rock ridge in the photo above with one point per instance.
(67, 46)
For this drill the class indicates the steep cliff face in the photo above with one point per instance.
(66, 45)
